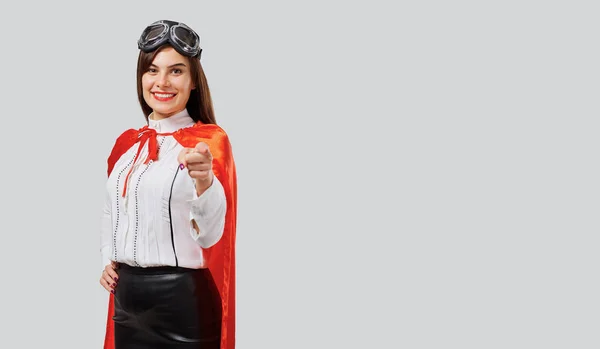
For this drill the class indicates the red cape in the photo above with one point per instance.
(221, 256)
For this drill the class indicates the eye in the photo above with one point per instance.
(151, 70)
(176, 71)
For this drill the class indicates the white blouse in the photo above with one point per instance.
(152, 224)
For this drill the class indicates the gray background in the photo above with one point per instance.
(411, 175)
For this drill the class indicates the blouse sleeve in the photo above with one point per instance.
(208, 211)
(105, 233)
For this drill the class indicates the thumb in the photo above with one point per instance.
(181, 157)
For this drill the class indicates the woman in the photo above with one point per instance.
(168, 227)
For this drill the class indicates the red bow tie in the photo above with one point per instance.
(145, 134)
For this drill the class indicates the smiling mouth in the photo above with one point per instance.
(163, 97)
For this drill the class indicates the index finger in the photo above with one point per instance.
(203, 148)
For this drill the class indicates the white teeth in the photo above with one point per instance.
(164, 95)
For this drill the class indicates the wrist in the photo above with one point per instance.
(203, 184)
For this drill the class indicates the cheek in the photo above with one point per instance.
(188, 87)
(146, 83)
(146, 86)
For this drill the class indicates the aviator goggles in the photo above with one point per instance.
(180, 36)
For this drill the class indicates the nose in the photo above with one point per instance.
(163, 80)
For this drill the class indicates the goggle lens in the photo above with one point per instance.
(186, 38)
(154, 33)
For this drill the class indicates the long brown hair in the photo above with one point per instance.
(199, 105)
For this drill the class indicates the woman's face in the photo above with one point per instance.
(167, 83)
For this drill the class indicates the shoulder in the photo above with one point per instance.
(127, 136)
(123, 142)
(205, 132)
(213, 130)
(129, 133)
(211, 134)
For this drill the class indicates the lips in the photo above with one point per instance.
(162, 96)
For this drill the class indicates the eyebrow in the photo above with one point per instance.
(171, 66)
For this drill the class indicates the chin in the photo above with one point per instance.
(161, 111)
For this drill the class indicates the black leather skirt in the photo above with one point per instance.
(166, 307)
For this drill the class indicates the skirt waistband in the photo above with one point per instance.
(156, 270)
